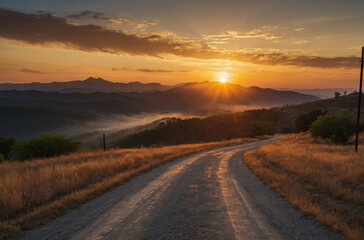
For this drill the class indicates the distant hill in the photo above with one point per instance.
(234, 125)
(98, 102)
(320, 92)
(86, 86)
(60, 111)
(192, 97)
(207, 95)
(29, 121)
(194, 130)
(348, 103)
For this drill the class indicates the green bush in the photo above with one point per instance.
(2, 158)
(336, 127)
(45, 146)
(258, 128)
(303, 121)
(5, 146)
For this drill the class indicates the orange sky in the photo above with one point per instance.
(309, 49)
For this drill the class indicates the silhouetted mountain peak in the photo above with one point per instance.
(95, 80)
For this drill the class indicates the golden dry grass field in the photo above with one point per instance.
(35, 191)
(323, 181)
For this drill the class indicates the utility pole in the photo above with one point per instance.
(359, 102)
(103, 142)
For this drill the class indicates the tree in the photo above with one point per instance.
(303, 121)
(337, 95)
(258, 128)
(336, 127)
(5, 146)
(45, 146)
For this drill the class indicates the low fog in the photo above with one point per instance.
(112, 123)
(116, 122)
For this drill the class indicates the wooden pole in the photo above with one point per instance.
(103, 142)
(359, 102)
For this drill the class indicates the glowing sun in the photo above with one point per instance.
(222, 80)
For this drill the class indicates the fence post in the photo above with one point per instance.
(103, 142)
(359, 101)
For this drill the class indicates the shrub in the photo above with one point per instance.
(5, 146)
(45, 146)
(2, 158)
(303, 121)
(258, 128)
(337, 127)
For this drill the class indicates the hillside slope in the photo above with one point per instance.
(28, 121)
(234, 125)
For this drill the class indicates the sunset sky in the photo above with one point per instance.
(266, 43)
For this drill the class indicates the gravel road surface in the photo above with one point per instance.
(208, 195)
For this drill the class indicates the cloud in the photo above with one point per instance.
(120, 69)
(299, 29)
(264, 32)
(147, 70)
(46, 29)
(355, 48)
(300, 42)
(27, 70)
(297, 60)
(88, 14)
(116, 21)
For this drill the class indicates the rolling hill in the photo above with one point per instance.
(29, 121)
(207, 95)
(234, 125)
(321, 92)
(86, 86)
(58, 108)
(98, 102)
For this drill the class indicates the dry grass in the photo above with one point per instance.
(34, 192)
(324, 181)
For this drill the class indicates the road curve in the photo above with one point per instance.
(208, 195)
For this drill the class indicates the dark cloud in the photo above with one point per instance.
(27, 70)
(89, 14)
(48, 29)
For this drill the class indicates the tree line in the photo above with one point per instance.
(176, 131)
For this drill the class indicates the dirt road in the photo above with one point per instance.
(209, 195)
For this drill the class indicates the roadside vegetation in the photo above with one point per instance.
(304, 120)
(334, 127)
(45, 146)
(323, 180)
(33, 192)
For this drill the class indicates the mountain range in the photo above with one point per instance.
(86, 86)
(34, 112)
(206, 95)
